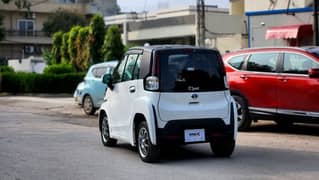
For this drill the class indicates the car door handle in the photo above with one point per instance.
(283, 79)
(132, 89)
(244, 77)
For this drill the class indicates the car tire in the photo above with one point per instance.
(105, 132)
(244, 120)
(147, 151)
(88, 106)
(223, 148)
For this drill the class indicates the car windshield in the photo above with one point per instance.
(191, 70)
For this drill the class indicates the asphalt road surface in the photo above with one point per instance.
(51, 138)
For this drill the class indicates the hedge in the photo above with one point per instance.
(59, 69)
(40, 83)
(6, 69)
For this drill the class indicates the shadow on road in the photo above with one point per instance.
(297, 129)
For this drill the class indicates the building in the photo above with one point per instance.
(24, 36)
(178, 26)
(276, 22)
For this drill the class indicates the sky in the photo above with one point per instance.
(151, 5)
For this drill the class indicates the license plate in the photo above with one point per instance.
(194, 135)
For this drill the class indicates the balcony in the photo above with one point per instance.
(27, 33)
(27, 37)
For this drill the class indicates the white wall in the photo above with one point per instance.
(27, 65)
(224, 24)
(261, 5)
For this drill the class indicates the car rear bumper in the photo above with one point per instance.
(214, 128)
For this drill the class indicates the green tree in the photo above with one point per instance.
(47, 56)
(72, 43)
(21, 4)
(62, 20)
(81, 62)
(113, 47)
(56, 47)
(64, 49)
(97, 34)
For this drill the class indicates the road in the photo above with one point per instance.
(50, 138)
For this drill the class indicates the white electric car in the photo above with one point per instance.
(166, 94)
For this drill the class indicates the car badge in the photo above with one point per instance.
(194, 96)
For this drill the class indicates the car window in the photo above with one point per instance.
(185, 71)
(298, 64)
(237, 61)
(129, 68)
(109, 70)
(98, 72)
(137, 67)
(118, 71)
(263, 62)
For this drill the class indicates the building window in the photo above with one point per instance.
(26, 27)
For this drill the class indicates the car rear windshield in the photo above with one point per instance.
(190, 70)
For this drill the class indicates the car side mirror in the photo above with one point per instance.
(107, 79)
(313, 73)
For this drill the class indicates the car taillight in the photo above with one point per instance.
(152, 83)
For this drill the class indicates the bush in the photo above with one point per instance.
(59, 69)
(6, 69)
(56, 47)
(113, 47)
(40, 83)
(47, 56)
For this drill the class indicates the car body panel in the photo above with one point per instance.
(92, 85)
(122, 105)
(278, 93)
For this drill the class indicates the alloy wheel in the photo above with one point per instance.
(143, 142)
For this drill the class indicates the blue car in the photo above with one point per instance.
(90, 93)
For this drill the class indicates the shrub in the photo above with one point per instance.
(82, 61)
(97, 34)
(56, 47)
(64, 48)
(113, 47)
(72, 44)
(59, 69)
(40, 83)
(6, 69)
(47, 56)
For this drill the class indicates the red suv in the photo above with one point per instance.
(280, 84)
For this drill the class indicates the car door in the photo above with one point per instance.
(113, 98)
(297, 92)
(98, 87)
(259, 82)
(128, 92)
(120, 98)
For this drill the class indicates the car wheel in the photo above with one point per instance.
(147, 151)
(223, 148)
(244, 120)
(105, 132)
(88, 105)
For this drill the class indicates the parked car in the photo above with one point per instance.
(279, 83)
(176, 94)
(90, 93)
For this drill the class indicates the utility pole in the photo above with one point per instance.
(200, 23)
(315, 23)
